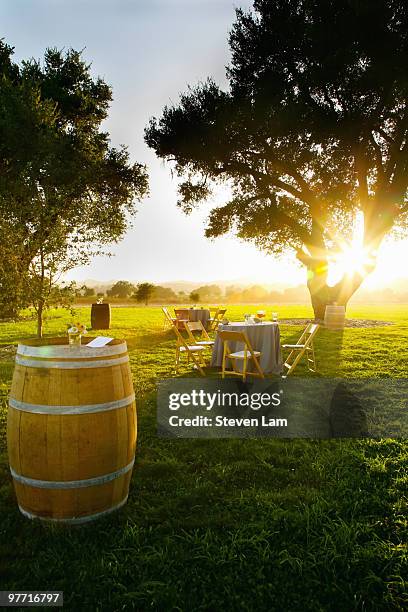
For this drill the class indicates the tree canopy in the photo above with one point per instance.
(144, 292)
(121, 289)
(312, 128)
(65, 191)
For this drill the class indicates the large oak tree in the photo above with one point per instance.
(312, 128)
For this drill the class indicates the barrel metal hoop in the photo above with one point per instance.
(64, 410)
(65, 351)
(70, 365)
(71, 484)
(74, 520)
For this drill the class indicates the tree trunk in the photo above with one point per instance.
(319, 294)
(317, 266)
(323, 295)
(40, 312)
(41, 300)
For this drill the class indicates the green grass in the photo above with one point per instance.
(230, 524)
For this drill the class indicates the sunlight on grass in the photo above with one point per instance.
(290, 521)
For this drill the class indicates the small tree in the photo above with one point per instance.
(209, 293)
(256, 293)
(42, 290)
(64, 191)
(87, 291)
(144, 292)
(165, 295)
(121, 289)
(194, 296)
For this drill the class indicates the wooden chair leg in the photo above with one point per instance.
(292, 365)
(198, 365)
(258, 366)
(244, 368)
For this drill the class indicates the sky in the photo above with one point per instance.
(149, 51)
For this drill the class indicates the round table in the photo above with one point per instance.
(199, 314)
(264, 337)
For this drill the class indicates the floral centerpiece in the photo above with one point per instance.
(75, 333)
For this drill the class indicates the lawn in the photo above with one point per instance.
(229, 524)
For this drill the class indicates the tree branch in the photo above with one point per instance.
(378, 155)
(384, 135)
(361, 171)
(265, 179)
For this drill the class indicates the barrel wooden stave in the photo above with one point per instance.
(61, 448)
(66, 446)
(72, 504)
(71, 387)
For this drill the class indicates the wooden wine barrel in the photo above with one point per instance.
(100, 316)
(334, 317)
(71, 430)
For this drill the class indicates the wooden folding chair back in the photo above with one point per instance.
(227, 335)
(216, 318)
(193, 352)
(197, 326)
(304, 346)
(168, 319)
(247, 354)
(182, 316)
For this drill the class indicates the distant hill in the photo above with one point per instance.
(397, 291)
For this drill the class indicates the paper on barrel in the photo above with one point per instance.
(99, 342)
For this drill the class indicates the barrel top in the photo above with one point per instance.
(59, 347)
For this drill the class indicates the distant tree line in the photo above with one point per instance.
(148, 293)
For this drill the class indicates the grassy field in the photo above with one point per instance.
(229, 524)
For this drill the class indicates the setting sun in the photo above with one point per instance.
(354, 259)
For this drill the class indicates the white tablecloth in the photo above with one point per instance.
(264, 337)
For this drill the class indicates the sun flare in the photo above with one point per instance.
(354, 258)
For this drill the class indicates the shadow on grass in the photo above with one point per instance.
(328, 347)
(210, 517)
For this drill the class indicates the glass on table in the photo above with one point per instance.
(275, 317)
(260, 314)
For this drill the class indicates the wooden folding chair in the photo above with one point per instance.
(245, 355)
(202, 339)
(169, 321)
(182, 316)
(304, 346)
(213, 314)
(218, 314)
(193, 352)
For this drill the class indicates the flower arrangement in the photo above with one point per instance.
(75, 333)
